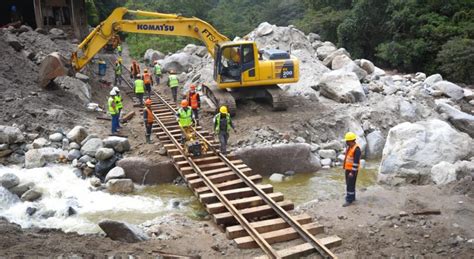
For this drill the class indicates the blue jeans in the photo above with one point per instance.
(115, 123)
(118, 118)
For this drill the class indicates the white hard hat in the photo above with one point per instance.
(116, 89)
(113, 92)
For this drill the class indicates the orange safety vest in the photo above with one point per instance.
(135, 69)
(149, 116)
(146, 78)
(349, 159)
(193, 100)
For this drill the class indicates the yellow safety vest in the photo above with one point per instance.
(185, 117)
(118, 101)
(173, 81)
(112, 110)
(139, 86)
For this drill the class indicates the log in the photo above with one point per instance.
(128, 116)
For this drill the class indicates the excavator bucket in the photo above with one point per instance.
(52, 66)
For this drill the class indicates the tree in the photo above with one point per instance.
(456, 60)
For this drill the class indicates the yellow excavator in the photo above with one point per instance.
(241, 71)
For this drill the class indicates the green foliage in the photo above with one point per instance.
(456, 60)
(324, 22)
(92, 14)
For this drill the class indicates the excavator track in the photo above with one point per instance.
(220, 97)
(277, 97)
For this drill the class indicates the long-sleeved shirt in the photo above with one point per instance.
(223, 122)
(357, 155)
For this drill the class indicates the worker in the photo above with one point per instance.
(148, 80)
(118, 101)
(139, 89)
(157, 70)
(134, 70)
(118, 73)
(222, 125)
(148, 119)
(173, 83)
(113, 111)
(184, 116)
(119, 49)
(351, 166)
(194, 100)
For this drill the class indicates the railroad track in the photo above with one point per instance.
(249, 212)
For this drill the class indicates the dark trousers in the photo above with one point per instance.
(140, 98)
(223, 137)
(118, 80)
(148, 90)
(174, 92)
(157, 79)
(351, 186)
(114, 123)
(118, 118)
(196, 114)
(148, 127)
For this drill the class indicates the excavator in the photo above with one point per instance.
(241, 70)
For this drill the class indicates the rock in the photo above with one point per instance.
(460, 120)
(468, 94)
(152, 55)
(91, 146)
(264, 29)
(328, 60)
(9, 180)
(119, 144)
(56, 137)
(74, 145)
(367, 65)
(85, 159)
(104, 166)
(353, 67)
(342, 87)
(65, 144)
(276, 158)
(179, 62)
(73, 154)
(327, 153)
(340, 61)
(289, 173)
(324, 51)
(449, 89)
(40, 142)
(300, 140)
(3, 147)
(104, 153)
(120, 186)
(77, 172)
(431, 80)
(122, 231)
(82, 77)
(375, 144)
(95, 182)
(77, 134)
(312, 37)
(5, 153)
(334, 144)
(116, 173)
(90, 164)
(443, 173)
(31, 210)
(145, 171)
(76, 87)
(277, 177)
(31, 195)
(20, 189)
(56, 32)
(407, 110)
(13, 41)
(341, 157)
(10, 135)
(378, 72)
(326, 162)
(412, 149)
(420, 76)
(34, 158)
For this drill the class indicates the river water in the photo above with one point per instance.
(62, 189)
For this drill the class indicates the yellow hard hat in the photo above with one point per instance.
(223, 109)
(350, 136)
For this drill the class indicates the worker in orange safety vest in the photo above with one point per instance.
(148, 120)
(134, 70)
(148, 80)
(194, 101)
(351, 166)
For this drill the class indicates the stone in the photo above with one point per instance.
(460, 120)
(334, 144)
(80, 90)
(85, 159)
(420, 76)
(5, 153)
(20, 189)
(341, 157)
(300, 140)
(122, 231)
(31, 195)
(407, 110)
(116, 173)
(343, 87)
(82, 77)
(34, 158)
(9, 180)
(353, 67)
(104, 166)
(326, 162)
(152, 55)
(73, 154)
(378, 72)
(145, 171)
(119, 144)
(468, 94)
(327, 153)
(10, 135)
(77, 172)
(340, 61)
(324, 51)
(412, 149)
(91, 146)
(95, 182)
(3, 147)
(431, 80)
(104, 153)
(264, 29)
(375, 144)
(77, 134)
(443, 173)
(56, 137)
(312, 37)
(367, 65)
(74, 145)
(13, 41)
(56, 32)
(179, 62)
(452, 90)
(289, 173)
(90, 164)
(65, 144)
(31, 210)
(40, 142)
(277, 177)
(328, 60)
(120, 186)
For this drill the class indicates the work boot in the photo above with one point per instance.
(148, 139)
(346, 204)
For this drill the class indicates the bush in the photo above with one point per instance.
(456, 60)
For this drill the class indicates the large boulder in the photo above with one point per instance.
(325, 50)
(75, 86)
(73, 154)
(20, 189)
(452, 90)
(10, 135)
(116, 173)
(104, 153)
(77, 134)
(267, 160)
(179, 62)
(353, 67)
(34, 158)
(443, 173)
(460, 120)
(122, 231)
(145, 171)
(264, 29)
(9, 180)
(367, 65)
(340, 61)
(40, 142)
(31, 195)
(120, 186)
(375, 144)
(431, 80)
(91, 146)
(342, 87)
(152, 55)
(119, 144)
(412, 149)
(56, 137)
(328, 60)
(104, 166)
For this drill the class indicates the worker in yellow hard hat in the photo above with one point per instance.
(222, 125)
(351, 166)
(173, 83)
(185, 119)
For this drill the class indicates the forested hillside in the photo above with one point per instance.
(407, 35)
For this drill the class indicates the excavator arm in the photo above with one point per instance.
(162, 24)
